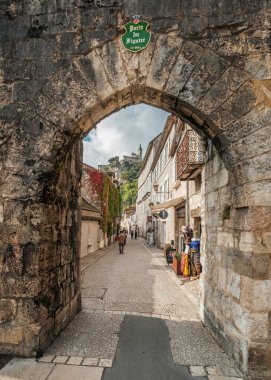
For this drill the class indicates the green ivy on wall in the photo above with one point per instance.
(111, 200)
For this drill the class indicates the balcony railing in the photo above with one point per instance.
(190, 155)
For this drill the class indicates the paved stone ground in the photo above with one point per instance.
(132, 303)
(4, 359)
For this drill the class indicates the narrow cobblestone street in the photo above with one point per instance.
(137, 322)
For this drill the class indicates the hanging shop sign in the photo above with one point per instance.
(163, 214)
(136, 37)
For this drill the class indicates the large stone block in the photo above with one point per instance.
(215, 97)
(258, 66)
(165, 54)
(209, 69)
(253, 325)
(246, 148)
(259, 359)
(234, 284)
(62, 318)
(222, 279)
(11, 336)
(30, 312)
(255, 294)
(114, 66)
(71, 91)
(8, 308)
(185, 64)
(258, 243)
(256, 219)
(225, 239)
(236, 106)
(255, 119)
(253, 194)
(1, 212)
(95, 73)
(212, 199)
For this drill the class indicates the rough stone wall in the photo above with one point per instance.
(63, 69)
(235, 286)
(40, 289)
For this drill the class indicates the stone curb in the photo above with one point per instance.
(215, 373)
(76, 360)
(212, 373)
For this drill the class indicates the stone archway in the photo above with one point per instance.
(64, 69)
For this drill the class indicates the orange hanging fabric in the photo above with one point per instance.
(186, 267)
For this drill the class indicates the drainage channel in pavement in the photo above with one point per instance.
(144, 353)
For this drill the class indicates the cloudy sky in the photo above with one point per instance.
(121, 133)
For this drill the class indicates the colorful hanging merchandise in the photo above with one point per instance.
(186, 264)
(183, 261)
(188, 234)
(190, 259)
(195, 258)
(186, 271)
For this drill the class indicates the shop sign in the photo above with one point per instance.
(163, 214)
(136, 37)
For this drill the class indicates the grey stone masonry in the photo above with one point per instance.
(63, 69)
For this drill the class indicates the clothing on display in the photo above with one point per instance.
(190, 258)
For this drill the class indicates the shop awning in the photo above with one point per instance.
(171, 203)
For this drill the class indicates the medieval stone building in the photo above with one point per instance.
(63, 69)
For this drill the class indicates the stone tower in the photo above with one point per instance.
(140, 150)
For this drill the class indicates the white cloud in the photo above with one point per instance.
(121, 133)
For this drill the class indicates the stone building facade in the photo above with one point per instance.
(171, 181)
(64, 69)
(129, 219)
(143, 211)
(91, 233)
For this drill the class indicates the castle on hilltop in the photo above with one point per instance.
(114, 166)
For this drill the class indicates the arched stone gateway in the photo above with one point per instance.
(63, 70)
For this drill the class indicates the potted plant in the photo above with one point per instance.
(177, 263)
(169, 253)
(167, 248)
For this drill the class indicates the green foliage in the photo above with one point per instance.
(129, 174)
(177, 256)
(111, 205)
(130, 171)
(113, 159)
(129, 193)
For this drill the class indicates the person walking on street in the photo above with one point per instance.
(132, 234)
(121, 240)
(125, 234)
(135, 233)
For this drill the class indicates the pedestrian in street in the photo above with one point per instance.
(135, 234)
(125, 234)
(121, 239)
(132, 234)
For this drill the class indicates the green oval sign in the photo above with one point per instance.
(136, 37)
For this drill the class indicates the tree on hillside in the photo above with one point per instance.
(129, 171)
(129, 174)
(113, 160)
(129, 193)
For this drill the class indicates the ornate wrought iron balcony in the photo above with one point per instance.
(190, 155)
